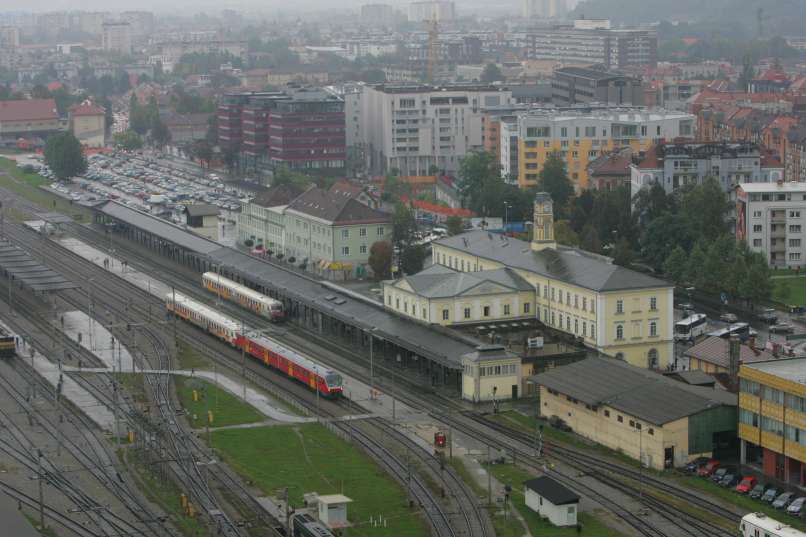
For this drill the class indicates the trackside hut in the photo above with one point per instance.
(552, 500)
(644, 414)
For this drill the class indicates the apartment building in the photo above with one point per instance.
(770, 217)
(29, 118)
(772, 418)
(544, 9)
(581, 136)
(88, 123)
(674, 165)
(117, 37)
(438, 10)
(587, 44)
(418, 129)
(574, 85)
(298, 128)
(9, 37)
(377, 14)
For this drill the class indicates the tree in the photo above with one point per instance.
(705, 208)
(694, 270)
(203, 151)
(393, 188)
(160, 134)
(662, 236)
(479, 177)
(127, 140)
(590, 240)
(622, 253)
(554, 180)
(783, 290)
(404, 226)
(675, 265)
(455, 225)
(565, 234)
(653, 202)
(284, 176)
(412, 258)
(138, 118)
(491, 73)
(40, 92)
(748, 73)
(380, 259)
(64, 155)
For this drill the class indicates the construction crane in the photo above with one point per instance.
(433, 43)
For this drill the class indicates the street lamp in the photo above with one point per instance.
(506, 211)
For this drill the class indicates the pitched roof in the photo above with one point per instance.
(438, 209)
(278, 195)
(337, 205)
(28, 109)
(201, 209)
(553, 491)
(574, 266)
(439, 281)
(636, 391)
(87, 108)
(716, 350)
(615, 164)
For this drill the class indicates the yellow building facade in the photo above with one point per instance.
(772, 418)
(579, 138)
(490, 373)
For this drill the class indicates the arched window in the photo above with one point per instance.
(619, 332)
(653, 328)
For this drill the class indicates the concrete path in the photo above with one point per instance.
(94, 337)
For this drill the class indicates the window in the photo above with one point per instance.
(794, 256)
(345, 233)
(653, 304)
(651, 431)
(445, 315)
(526, 307)
(748, 418)
(380, 231)
(632, 423)
(593, 331)
(619, 331)
(619, 306)
(486, 311)
(467, 313)
(345, 250)
(397, 303)
(576, 301)
(388, 300)
(794, 243)
(576, 326)
(425, 313)
(607, 413)
(584, 303)
(794, 214)
(567, 298)
(620, 418)
(653, 328)
(362, 249)
(564, 132)
(749, 386)
(362, 232)
(506, 309)
(757, 243)
(772, 394)
(794, 228)
(757, 228)
(756, 214)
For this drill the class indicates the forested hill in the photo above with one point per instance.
(778, 17)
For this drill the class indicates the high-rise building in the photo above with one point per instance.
(9, 37)
(377, 14)
(439, 10)
(142, 22)
(544, 9)
(420, 129)
(578, 85)
(117, 37)
(594, 42)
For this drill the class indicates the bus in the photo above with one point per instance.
(690, 328)
(742, 330)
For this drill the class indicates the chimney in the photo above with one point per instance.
(734, 353)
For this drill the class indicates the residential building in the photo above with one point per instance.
(674, 165)
(88, 123)
(28, 118)
(186, 127)
(117, 37)
(444, 296)
(377, 14)
(419, 129)
(573, 85)
(9, 37)
(587, 44)
(614, 310)
(432, 10)
(611, 170)
(772, 418)
(580, 136)
(716, 355)
(643, 414)
(544, 9)
(202, 219)
(771, 219)
(261, 220)
(297, 128)
(142, 22)
(552, 500)
(490, 373)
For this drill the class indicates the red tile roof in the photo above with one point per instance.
(438, 209)
(28, 109)
(87, 108)
(774, 75)
(715, 350)
(650, 160)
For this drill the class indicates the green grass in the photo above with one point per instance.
(34, 521)
(27, 186)
(227, 409)
(308, 458)
(752, 506)
(514, 476)
(189, 359)
(797, 290)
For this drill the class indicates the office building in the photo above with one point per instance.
(772, 418)
(586, 44)
(771, 218)
(580, 136)
(432, 10)
(117, 37)
(9, 37)
(576, 85)
(420, 129)
(377, 14)
(544, 9)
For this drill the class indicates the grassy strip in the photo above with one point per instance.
(308, 458)
(44, 532)
(27, 186)
(514, 476)
(189, 359)
(227, 409)
(740, 500)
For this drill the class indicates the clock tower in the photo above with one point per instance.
(543, 229)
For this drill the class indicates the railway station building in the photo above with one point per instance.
(772, 418)
(643, 414)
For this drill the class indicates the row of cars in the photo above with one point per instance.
(729, 477)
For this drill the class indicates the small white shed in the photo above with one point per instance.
(333, 510)
(552, 500)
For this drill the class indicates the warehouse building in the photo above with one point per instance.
(643, 414)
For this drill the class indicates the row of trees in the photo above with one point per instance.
(145, 121)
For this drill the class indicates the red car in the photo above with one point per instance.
(709, 468)
(746, 485)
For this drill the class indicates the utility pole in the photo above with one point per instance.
(176, 343)
(10, 287)
(41, 477)
(489, 477)
(115, 403)
(371, 366)
(243, 357)
(287, 513)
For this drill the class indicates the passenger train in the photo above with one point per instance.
(248, 298)
(272, 353)
(760, 525)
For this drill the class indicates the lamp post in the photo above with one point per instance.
(506, 213)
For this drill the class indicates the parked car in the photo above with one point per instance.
(730, 480)
(768, 316)
(758, 491)
(783, 500)
(728, 317)
(797, 507)
(747, 485)
(709, 468)
(694, 466)
(770, 494)
(559, 423)
(782, 328)
(719, 474)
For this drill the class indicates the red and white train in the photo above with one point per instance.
(265, 349)
(248, 298)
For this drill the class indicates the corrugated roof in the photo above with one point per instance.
(28, 109)
(639, 392)
(568, 265)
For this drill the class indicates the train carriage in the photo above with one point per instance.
(8, 344)
(760, 525)
(248, 298)
(204, 317)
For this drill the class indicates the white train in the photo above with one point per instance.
(760, 525)
(246, 297)
(206, 318)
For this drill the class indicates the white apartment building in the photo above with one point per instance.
(117, 37)
(9, 37)
(771, 218)
(439, 10)
(418, 129)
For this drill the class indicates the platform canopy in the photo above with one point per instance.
(33, 274)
